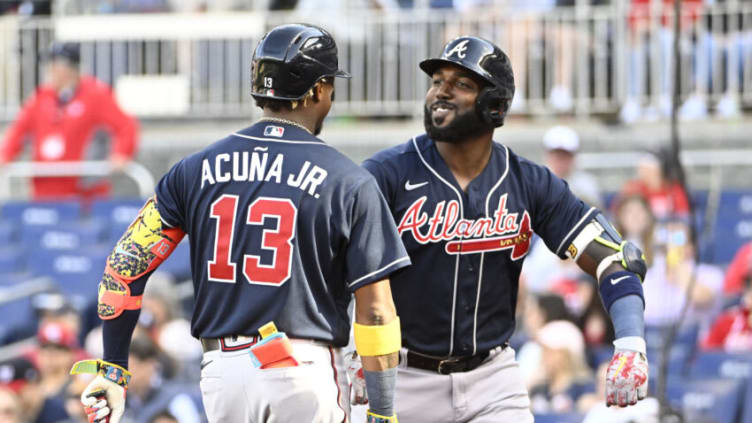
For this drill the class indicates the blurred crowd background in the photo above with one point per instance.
(594, 94)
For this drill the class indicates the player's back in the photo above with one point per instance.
(269, 214)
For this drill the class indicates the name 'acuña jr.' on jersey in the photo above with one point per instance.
(472, 243)
(274, 215)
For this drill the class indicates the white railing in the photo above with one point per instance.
(583, 60)
(133, 170)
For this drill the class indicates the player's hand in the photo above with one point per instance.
(358, 394)
(627, 374)
(103, 400)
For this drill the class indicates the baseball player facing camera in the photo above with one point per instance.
(283, 228)
(466, 208)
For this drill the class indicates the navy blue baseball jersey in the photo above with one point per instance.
(467, 247)
(282, 228)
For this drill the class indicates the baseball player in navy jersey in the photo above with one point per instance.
(466, 208)
(283, 229)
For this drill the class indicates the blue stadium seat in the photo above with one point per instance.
(559, 418)
(10, 279)
(686, 338)
(719, 364)
(41, 213)
(76, 235)
(179, 262)
(12, 260)
(119, 213)
(76, 273)
(8, 233)
(717, 400)
(18, 320)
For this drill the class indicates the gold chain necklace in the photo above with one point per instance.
(289, 122)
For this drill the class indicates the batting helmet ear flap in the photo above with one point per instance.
(491, 106)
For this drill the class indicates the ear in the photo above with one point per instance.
(318, 92)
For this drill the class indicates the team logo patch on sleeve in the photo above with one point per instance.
(274, 131)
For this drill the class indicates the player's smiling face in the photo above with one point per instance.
(453, 92)
(450, 113)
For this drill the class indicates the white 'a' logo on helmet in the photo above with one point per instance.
(459, 49)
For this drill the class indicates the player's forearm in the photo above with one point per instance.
(380, 362)
(117, 332)
(628, 317)
(116, 337)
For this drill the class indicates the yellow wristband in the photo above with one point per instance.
(372, 417)
(378, 340)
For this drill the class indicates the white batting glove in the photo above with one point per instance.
(358, 394)
(627, 374)
(103, 400)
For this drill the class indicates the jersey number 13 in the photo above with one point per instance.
(225, 210)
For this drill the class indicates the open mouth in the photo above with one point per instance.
(440, 110)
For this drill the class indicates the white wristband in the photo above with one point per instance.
(632, 343)
(616, 257)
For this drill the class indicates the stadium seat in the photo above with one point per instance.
(74, 235)
(716, 400)
(719, 364)
(685, 341)
(119, 213)
(76, 273)
(41, 213)
(12, 260)
(559, 418)
(8, 233)
(19, 321)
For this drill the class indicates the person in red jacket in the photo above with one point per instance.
(739, 271)
(61, 119)
(732, 330)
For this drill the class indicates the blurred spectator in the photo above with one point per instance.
(148, 394)
(58, 345)
(61, 118)
(593, 405)
(739, 272)
(566, 375)
(635, 222)
(657, 182)
(10, 406)
(341, 5)
(161, 319)
(26, 7)
(73, 398)
(538, 311)
(20, 375)
(584, 304)
(164, 417)
(669, 277)
(562, 144)
(542, 268)
(732, 330)
(640, 20)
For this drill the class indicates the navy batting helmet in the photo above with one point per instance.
(488, 62)
(290, 59)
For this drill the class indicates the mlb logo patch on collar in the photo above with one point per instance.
(274, 131)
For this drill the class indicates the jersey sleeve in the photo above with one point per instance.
(558, 215)
(374, 248)
(170, 192)
(381, 174)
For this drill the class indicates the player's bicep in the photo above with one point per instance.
(143, 247)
